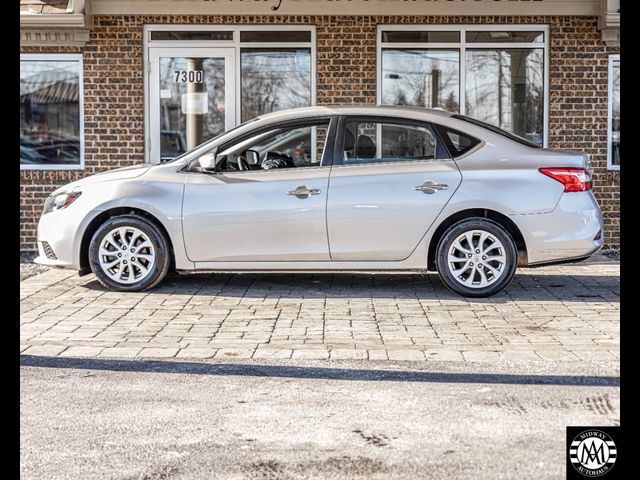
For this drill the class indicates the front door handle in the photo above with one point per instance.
(303, 191)
(431, 187)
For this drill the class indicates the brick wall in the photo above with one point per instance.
(346, 73)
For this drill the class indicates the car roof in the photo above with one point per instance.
(386, 110)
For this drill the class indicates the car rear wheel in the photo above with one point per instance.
(129, 254)
(476, 258)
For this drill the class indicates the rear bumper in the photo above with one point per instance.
(571, 232)
(561, 262)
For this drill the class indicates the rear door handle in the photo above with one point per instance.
(431, 187)
(303, 191)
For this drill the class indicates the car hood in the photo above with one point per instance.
(117, 174)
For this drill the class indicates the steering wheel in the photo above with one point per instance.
(243, 164)
(277, 160)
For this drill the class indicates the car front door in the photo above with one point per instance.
(390, 180)
(265, 203)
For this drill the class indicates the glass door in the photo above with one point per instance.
(191, 98)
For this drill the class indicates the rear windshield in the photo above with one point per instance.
(498, 130)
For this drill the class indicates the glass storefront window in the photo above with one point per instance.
(274, 36)
(506, 88)
(200, 84)
(613, 150)
(274, 79)
(502, 84)
(421, 37)
(424, 78)
(191, 35)
(493, 36)
(50, 111)
(192, 102)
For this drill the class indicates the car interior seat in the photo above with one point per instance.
(365, 147)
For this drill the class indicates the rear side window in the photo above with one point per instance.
(371, 141)
(457, 142)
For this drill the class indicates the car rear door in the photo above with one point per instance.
(390, 180)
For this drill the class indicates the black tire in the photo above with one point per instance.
(454, 283)
(160, 245)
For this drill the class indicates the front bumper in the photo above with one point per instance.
(573, 230)
(56, 235)
(42, 259)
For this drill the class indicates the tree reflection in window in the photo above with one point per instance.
(274, 79)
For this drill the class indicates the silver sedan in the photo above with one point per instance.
(361, 188)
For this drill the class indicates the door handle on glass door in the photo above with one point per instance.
(430, 187)
(303, 191)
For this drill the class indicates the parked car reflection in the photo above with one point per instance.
(49, 149)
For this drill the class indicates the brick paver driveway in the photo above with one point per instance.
(568, 312)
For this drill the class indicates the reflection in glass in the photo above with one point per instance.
(615, 114)
(424, 78)
(505, 37)
(182, 35)
(294, 147)
(505, 87)
(191, 103)
(274, 79)
(415, 36)
(49, 112)
(371, 142)
(275, 36)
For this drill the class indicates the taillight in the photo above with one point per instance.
(573, 179)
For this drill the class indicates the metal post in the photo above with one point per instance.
(195, 121)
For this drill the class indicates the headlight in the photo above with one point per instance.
(60, 201)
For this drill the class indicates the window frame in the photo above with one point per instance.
(462, 46)
(613, 59)
(65, 57)
(338, 150)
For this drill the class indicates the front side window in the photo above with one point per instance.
(277, 148)
(368, 141)
(496, 76)
(50, 111)
(613, 151)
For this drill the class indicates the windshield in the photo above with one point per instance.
(211, 140)
(498, 130)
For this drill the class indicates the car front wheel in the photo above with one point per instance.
(128, 254)
(476, 258)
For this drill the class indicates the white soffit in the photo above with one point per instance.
(347, 7)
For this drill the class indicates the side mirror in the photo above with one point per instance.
(252, 157)
(208, 161)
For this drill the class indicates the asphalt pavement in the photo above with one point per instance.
(100, 418)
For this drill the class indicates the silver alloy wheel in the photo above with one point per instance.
(126, 255)
(476, 259)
